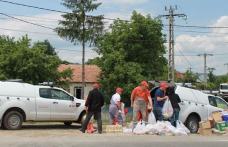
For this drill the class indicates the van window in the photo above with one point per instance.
(60, 95)
(221, 104)
(212, 101)
(217, 102)
(45, 93)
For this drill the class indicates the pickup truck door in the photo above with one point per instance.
(63, 106)
(43, 104)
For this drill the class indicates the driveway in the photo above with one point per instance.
(57, 135)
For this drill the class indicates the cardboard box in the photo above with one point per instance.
(113, 129)
(205, 132)
(217, 132)
(205, 124)
(217, 116)
(220, 126)
(226, 123)
(211, 121)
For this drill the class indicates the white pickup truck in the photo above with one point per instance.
(21, 102)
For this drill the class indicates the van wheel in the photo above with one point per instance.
(67, 123)
(13, 120)
(192, 123)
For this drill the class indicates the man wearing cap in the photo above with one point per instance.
(159, 100)
(94, 102)
(115, 108)
(141, 101)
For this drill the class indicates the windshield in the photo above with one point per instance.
(224, 87)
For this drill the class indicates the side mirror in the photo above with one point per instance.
(72, 98)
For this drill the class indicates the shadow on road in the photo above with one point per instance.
(49, 126)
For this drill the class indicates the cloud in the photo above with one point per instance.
(215, 43)
(125, 2)
(64, 48)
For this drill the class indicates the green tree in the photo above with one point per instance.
(32, 63)
(190, 77)
(78, 26)
(131, 52)
(49, 49)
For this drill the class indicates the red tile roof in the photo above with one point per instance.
(92, 72)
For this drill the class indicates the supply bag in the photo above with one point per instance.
(167, 110)
(181, 126)
(151, 118)
(140, 128)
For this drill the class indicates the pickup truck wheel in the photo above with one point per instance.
(67, 123)
(13, 120)
(192, 123)
(82, 118)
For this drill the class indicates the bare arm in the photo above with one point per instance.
(150, 102)
(162, 98)
(132, 99)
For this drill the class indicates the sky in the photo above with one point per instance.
(188, 41)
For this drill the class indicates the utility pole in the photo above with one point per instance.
(171, 62)
(226, 67)
(205, 65)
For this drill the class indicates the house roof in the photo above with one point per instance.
(179, 75)
(92, 72)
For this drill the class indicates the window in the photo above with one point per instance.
(45, 93)
(224, 87)
(60, 95)
(78, 92)
(221, 104)
(212, 101)
(217, 102)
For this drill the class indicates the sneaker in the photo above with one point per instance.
(82, 131)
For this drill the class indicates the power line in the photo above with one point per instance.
(201, 27)
(59, 11)
(30, 6)
(24, 31)
(27, 21)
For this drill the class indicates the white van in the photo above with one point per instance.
(20, 102)
(196, 106)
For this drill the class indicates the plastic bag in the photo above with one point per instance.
(151, 118)
(90, 129)
(140, 128)
(151, 129)
(127, 130)
(167, 110)
(181, 126)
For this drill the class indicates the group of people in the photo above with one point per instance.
(142, 103)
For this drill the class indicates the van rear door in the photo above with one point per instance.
(193, 101)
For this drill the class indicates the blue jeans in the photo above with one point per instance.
(158, 113)
(175, 116)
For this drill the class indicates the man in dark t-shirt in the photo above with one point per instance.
(159, 100)
(93, 106)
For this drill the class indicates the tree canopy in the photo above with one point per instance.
(33, 63)
(131, 52)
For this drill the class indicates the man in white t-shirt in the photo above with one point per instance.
(115, 107)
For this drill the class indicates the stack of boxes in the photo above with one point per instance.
(216, 123)
(220, 125)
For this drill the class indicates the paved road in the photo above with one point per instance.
(61, 136)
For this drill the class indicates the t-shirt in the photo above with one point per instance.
(159, 93)
(115, 99)
(139, 92)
